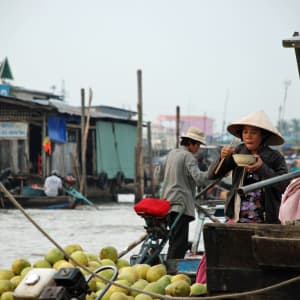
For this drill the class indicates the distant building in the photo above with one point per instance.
(164, 129)
(202, 122)
(40, 132)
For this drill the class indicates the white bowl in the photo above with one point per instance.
(243, 160)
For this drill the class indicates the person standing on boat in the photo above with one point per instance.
(261, 206)
(53, 184)
(181, 175)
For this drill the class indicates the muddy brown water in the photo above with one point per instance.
(113, 224)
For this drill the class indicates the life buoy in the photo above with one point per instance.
(103, 180)
(120, 178)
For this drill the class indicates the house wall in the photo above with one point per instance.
(24, 156)
(116, 148)
(14, 146)
(70, 152)
(64, 157)
(9, 155)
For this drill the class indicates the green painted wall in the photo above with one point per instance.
(116, 148)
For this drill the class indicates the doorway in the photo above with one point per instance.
(35, 149)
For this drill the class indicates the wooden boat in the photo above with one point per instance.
(248, 257)
(261, 260)
(40, 202)
(34, 197)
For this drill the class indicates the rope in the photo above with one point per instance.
(154, 295)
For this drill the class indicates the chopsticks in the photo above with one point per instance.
(222, 160)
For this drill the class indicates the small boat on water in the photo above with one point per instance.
(34, 196)
(40, 202)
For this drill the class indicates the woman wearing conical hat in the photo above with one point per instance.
(260, 206)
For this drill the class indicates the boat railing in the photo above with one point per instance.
(267, 182)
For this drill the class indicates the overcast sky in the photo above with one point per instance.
(222, 58)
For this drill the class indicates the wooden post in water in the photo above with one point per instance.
(177, 125)
(139, 166)
(150, 158)
(83, 160)
(45, 169)
(84, 142)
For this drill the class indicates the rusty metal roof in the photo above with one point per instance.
(64, 108)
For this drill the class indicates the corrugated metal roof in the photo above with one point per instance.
(116, 111)
(24, 93)
(65, 108)
(61, 106)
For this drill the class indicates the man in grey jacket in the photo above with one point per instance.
(181, 176)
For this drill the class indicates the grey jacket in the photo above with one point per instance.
(273, 165)
(181, 176)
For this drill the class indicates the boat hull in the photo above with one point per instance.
(247, 257)
(40, 202)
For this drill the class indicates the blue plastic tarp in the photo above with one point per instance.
(57, 129)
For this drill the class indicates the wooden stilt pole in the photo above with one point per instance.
(83, 158)
(150, 158)
(139, 170)
(177, 126)
(84, 144)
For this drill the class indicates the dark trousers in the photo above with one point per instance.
(178, 241)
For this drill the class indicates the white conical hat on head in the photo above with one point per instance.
(195, 134)
(261, 120)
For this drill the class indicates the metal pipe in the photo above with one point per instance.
(261, 184)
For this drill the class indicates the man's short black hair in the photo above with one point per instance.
(187, 141)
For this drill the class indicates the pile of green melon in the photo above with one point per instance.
(131, 280)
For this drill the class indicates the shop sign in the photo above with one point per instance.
(4, 90)
(13, 130)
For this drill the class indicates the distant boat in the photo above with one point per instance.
(40, 202)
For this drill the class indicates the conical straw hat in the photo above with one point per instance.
(261, 120)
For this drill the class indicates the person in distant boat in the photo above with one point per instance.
(53, 184)
(181, 175)
(260, 206)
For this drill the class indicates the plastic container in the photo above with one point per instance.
(34, 283)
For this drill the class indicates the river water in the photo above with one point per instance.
(113, 224)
